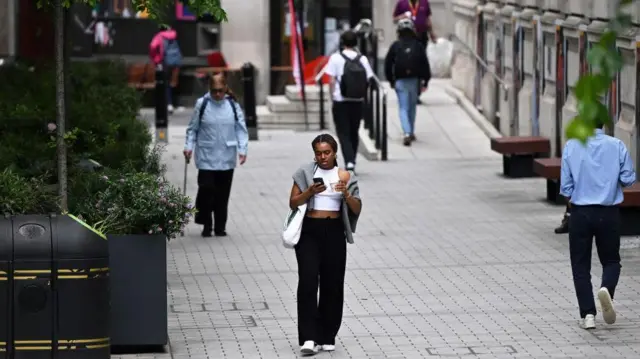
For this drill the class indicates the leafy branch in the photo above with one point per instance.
(157, 9)
(589, 89)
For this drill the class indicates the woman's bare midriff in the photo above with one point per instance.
(322, 214)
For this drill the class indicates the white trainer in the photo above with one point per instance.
(328, 347)
(309, 348)
(589, 322)
(606, 303)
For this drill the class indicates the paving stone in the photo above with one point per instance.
(451, 260)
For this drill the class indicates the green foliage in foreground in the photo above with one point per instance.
(606, 62)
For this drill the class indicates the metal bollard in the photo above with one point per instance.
(162, 119)
(374, 51)
(368, 121)
(383, 147)
(321, 89)
(379, 92)
(249, 85)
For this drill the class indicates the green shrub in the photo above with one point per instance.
(122, 202)
(102, 118)
(20, 195)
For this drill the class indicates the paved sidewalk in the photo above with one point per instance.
(451, 260)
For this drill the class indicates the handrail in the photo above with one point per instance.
(376, 125)
(375, 118)
(318, 77)
(377, 81)
(479, 59)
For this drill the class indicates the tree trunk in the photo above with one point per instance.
(60, 105)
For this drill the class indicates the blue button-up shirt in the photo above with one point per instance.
(594, 173)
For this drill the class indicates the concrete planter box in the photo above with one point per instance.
(138, 266)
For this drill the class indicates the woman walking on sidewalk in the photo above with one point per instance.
(219, 134)
(334, 205)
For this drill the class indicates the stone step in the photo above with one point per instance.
(290, 126)
(280, 104)
(268, 117)
(292, 92)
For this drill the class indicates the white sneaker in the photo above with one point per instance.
(328, 347)
(608, 313)
(309, 348)
(589, 322)
(170, 109)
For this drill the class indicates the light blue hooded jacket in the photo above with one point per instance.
(219, 138)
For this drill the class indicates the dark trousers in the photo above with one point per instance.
(214, 188)
(603, 223)
(322, 259)
(347, 117)
(168, 74)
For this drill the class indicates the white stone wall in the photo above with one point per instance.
(245, 38)
(573, 12)
(8, 28)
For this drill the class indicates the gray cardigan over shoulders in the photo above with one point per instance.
(303, 177)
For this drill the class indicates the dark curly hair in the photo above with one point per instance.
(325, 138)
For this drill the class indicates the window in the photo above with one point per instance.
(117, 8)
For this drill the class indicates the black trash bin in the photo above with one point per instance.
(54, 289)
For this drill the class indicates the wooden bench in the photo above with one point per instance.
(143, 76)
(549, 168)
(518, 154)
(630, 211)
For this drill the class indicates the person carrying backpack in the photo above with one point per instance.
(164, 50)
(350, 73)
(407, 69)
(217, 136)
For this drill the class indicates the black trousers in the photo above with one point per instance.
(603, 223)
(347, 117)
(214, 188)
(322, 259)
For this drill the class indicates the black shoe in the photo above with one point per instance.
(412, 137)
(406, 141)
(220, 233)
(206, 232)
(564, 226)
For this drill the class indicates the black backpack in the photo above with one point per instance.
(407, 60)
(353, 83)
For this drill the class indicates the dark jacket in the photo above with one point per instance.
(389, 62)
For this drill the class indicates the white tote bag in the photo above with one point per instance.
(293, 226)
(440, 56)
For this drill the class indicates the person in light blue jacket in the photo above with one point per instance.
(217, 133)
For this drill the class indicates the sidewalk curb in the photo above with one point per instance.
(367, 147)
(471, 110)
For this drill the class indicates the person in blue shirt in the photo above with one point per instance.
(591, 177)
(217, 133)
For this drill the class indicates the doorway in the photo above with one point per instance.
(323, 21)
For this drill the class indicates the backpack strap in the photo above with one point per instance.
(203, 106)
(355, 59)
(233, 107)
(205, 102)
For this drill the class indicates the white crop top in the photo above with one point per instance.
(329, 199)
